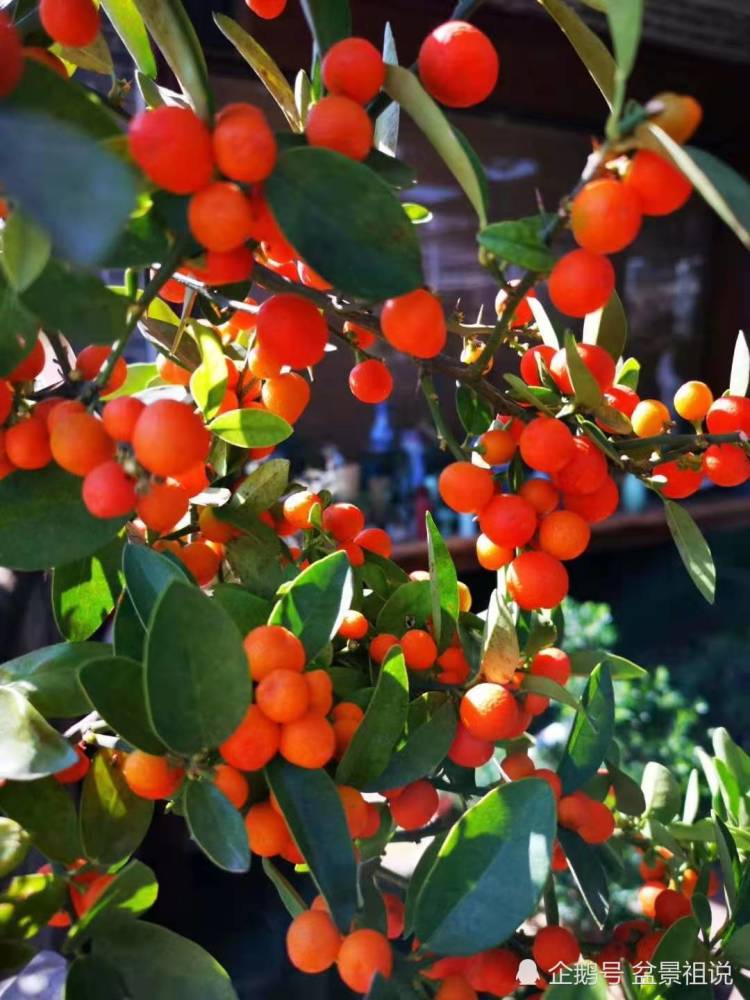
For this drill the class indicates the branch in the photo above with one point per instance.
(444, 433)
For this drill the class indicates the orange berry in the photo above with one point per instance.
(454, 667)
(414, 324)
(359, 335)
(492, 556)
(648, 893)
(489, 712)
(231, 783)
(83, 894)
(552, 780)
(415, 805)
(508, 520)
(724, 464)
(465, 487)
(312, 941)
(464, 597)
(6, 401)
(598, 361)
(169, 438)
(172, 146)
(529, 369)
(267, 833)
(193, 480)
(497, 447)
(541, 494)
(244, 145)
(298, 509)
(370, 381)
(354, 626)
(599, 823)
(120, 416)
(27, 444)
(419, 649)
(202, 560)
(163, 506)
(355, 809)
(375, 540)
(537, 580)
(90, 361)
(343, 732)
(171, 372)
(213, 529)
(253, 743)
(726, 415)
(468, 750)
(74, 23)
(319, 690)
(52, 410)
(76, 771)
(597, 506)
(649, 418)
(670, 906)
(518, 765)
(273, 647)
(308, 741)
(347, 710)
(340, 124)
(455, 987)
(267, 9)
(283, 695)
(79, 443)
(680, 115)
(553, 945)
(605, 216)
(291, 332)
(660, 187)
(564, 534)
(287, 396)
(458, 64)
(31, 365)
(522, 313)
(343, 520)
(652, 873)
(364, 954)
(493, 971)
(380, 645)
(681, 482)
(546, 444)
(151, 777)
(220, 216)
(552, 663)
(693, 400)
(11, 56)
(108, 491)
(353, 68)
(581, 282)
(586, 472)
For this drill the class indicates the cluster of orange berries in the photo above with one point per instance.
(84, 889)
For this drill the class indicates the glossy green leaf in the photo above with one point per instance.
(147, 576)
(588, 874)
(418, 214)
(128, 24)
(314, 605)
(33, 506)
(18, 328)
(693, 549)
(143, 241)
(27, 903)
(258, 490)
(511, 829)
(245, 609)
(216, 826)
(208, 383)
(129, 635)
(250, 428)
(737, 949)
(523, 392)
(132, 891)
(42, 88)
(424, 749)
(583, 662)
(94, 57)
(678, 943)
(197, 682)
(661, 791)
(628, 794)
(256, 559)
(29, 747)
(625, 18)
(587, 392)
(114, 686)
(548, 688)
(14, 845)
(371, 254)
(739, 378)
(113, 820)
(519, 242)
(84, 592)
(293, 902)
(329, 21)
(91, 978)
(501, 655)
(409, 606)
(629, 374)
(371, 747)
(592, 731)
(312, 809)
(46, 812)
(48, 677)
(25, 250)
(474, 412)
(443, 584)
(394, 172)
(608, 327)
(591, 50)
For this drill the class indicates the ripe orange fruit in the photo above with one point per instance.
(458, 64)
(572, 810)
(537, 580)
(244, 144)
(11, 56)
(375, 540)
(646, 947)
(163, 506)
(492, 556)
(419, 649)
(267, 832)
(232, 783)
(598, 361)
(498, 446)
(312, 941)
(193, 480)
(564, 534)
(354, 626)
(220, 216)
(370, 381)
(394, 911)
(552, 663)
(605, 216)
(76, 771)
(298, 509)
(693, 400)
(489, 712)
(454, 667)
(213, 529)
(340, 124)
(599, 824)
(169, 438)
(414, 324)
(27, 444)
(455, 987)
(523, 313)
(151, 777)
(585, 472)
(343, 731)
(508, 520)
(85, 890)
(529, 369)
(621, 398)
(724, 464)
(581, 282)
(120, 417)
(649, 418)
(679, 116)
(466, 488)
(541, 494)
(468, 750)
(727, 415)
(283, 695)
(46, 58)
(546, 444)
(319, 690)
(202, 560)
(353, 68)
(108, 491)
(660, 187)
(355, 809)
(267, 9)
(90, 361)
(79, 443)
(308, 741)
(681, 482)
(518, 765)
(227, 266)
(363, 954)
(6, 401)
(273, 647)
(291, 331)
(648, 893)
(70, 22)
(286, 395)
(597, 506)
(343, 520)
(170, 372)
(172, 146)
(415, 805)
(253, 743)
(380, 645)
(553, 945)
(552, 780)
(359, 335)
(31, 365)
(493, 971)
(670, 906)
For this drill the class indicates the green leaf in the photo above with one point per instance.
(29, 747)
(90, 978)
(329, 21)
(588, 873)
(425, 748)
(692, 797)
(28, 902)
(734, 757)
(260, 489)
(625, 18)
(197, 683)
(591, 50)
(443, 584)
(147, 575)
(293, 902)
(114, 686)
(132, 891)
(418, 214)
(587, 392)
(594, 988)
(42, 88)
(256, 559)
(312, 809)
(94, 57)
(409, 606)
(156, 962)
(372, 253)
(519, 242)
(737, 949)
(77, 191)
(395, 172)
(14, 845)
(660, 791)
(208, 383)
(113, 820)
(139, 376)
(693, 549)
(422, 869)
(548, 688)
(608, 327)
(34, 507)
(48, 677)
(128, 24)
(730, 862)
(46, 812)
(501, 655)
(583, 662)
(216, 826)
(511, 829)
(173, 32)
(129, 634)
(404, 87)
(18, 328)
(523, 392)
(84, 592)
(143, 241)
(245, 609)
(314, 605)
(678, 943)
(628, 795)
(371, 747)
(739, 378)
(592, 732)
(250, 428)
(25, 250)
(474, 412)
(629, 374)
